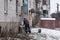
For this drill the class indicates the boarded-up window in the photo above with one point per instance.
(6, 6)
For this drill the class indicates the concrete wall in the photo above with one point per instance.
(9, 25)
(11, 19)
(1, 10)
(50, 24)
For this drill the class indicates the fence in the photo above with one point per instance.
(50, 24)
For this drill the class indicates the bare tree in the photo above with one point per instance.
(56, 15)
(37, 17)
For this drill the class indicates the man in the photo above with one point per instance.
(26, 23)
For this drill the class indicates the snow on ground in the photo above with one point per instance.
(51, 32)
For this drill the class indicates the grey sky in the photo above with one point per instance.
(53, 5)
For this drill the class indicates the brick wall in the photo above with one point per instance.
(50, 24)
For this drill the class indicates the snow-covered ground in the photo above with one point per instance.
(48, 34)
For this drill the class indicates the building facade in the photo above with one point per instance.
(9, 14)
(45, 8)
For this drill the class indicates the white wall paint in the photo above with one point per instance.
(11, 16)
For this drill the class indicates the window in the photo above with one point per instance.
(5, 6)
(45, 12)
(25, 6)
(17, 6)
(25, 1)
(44, 2)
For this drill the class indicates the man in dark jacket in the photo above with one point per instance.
(26, 23)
